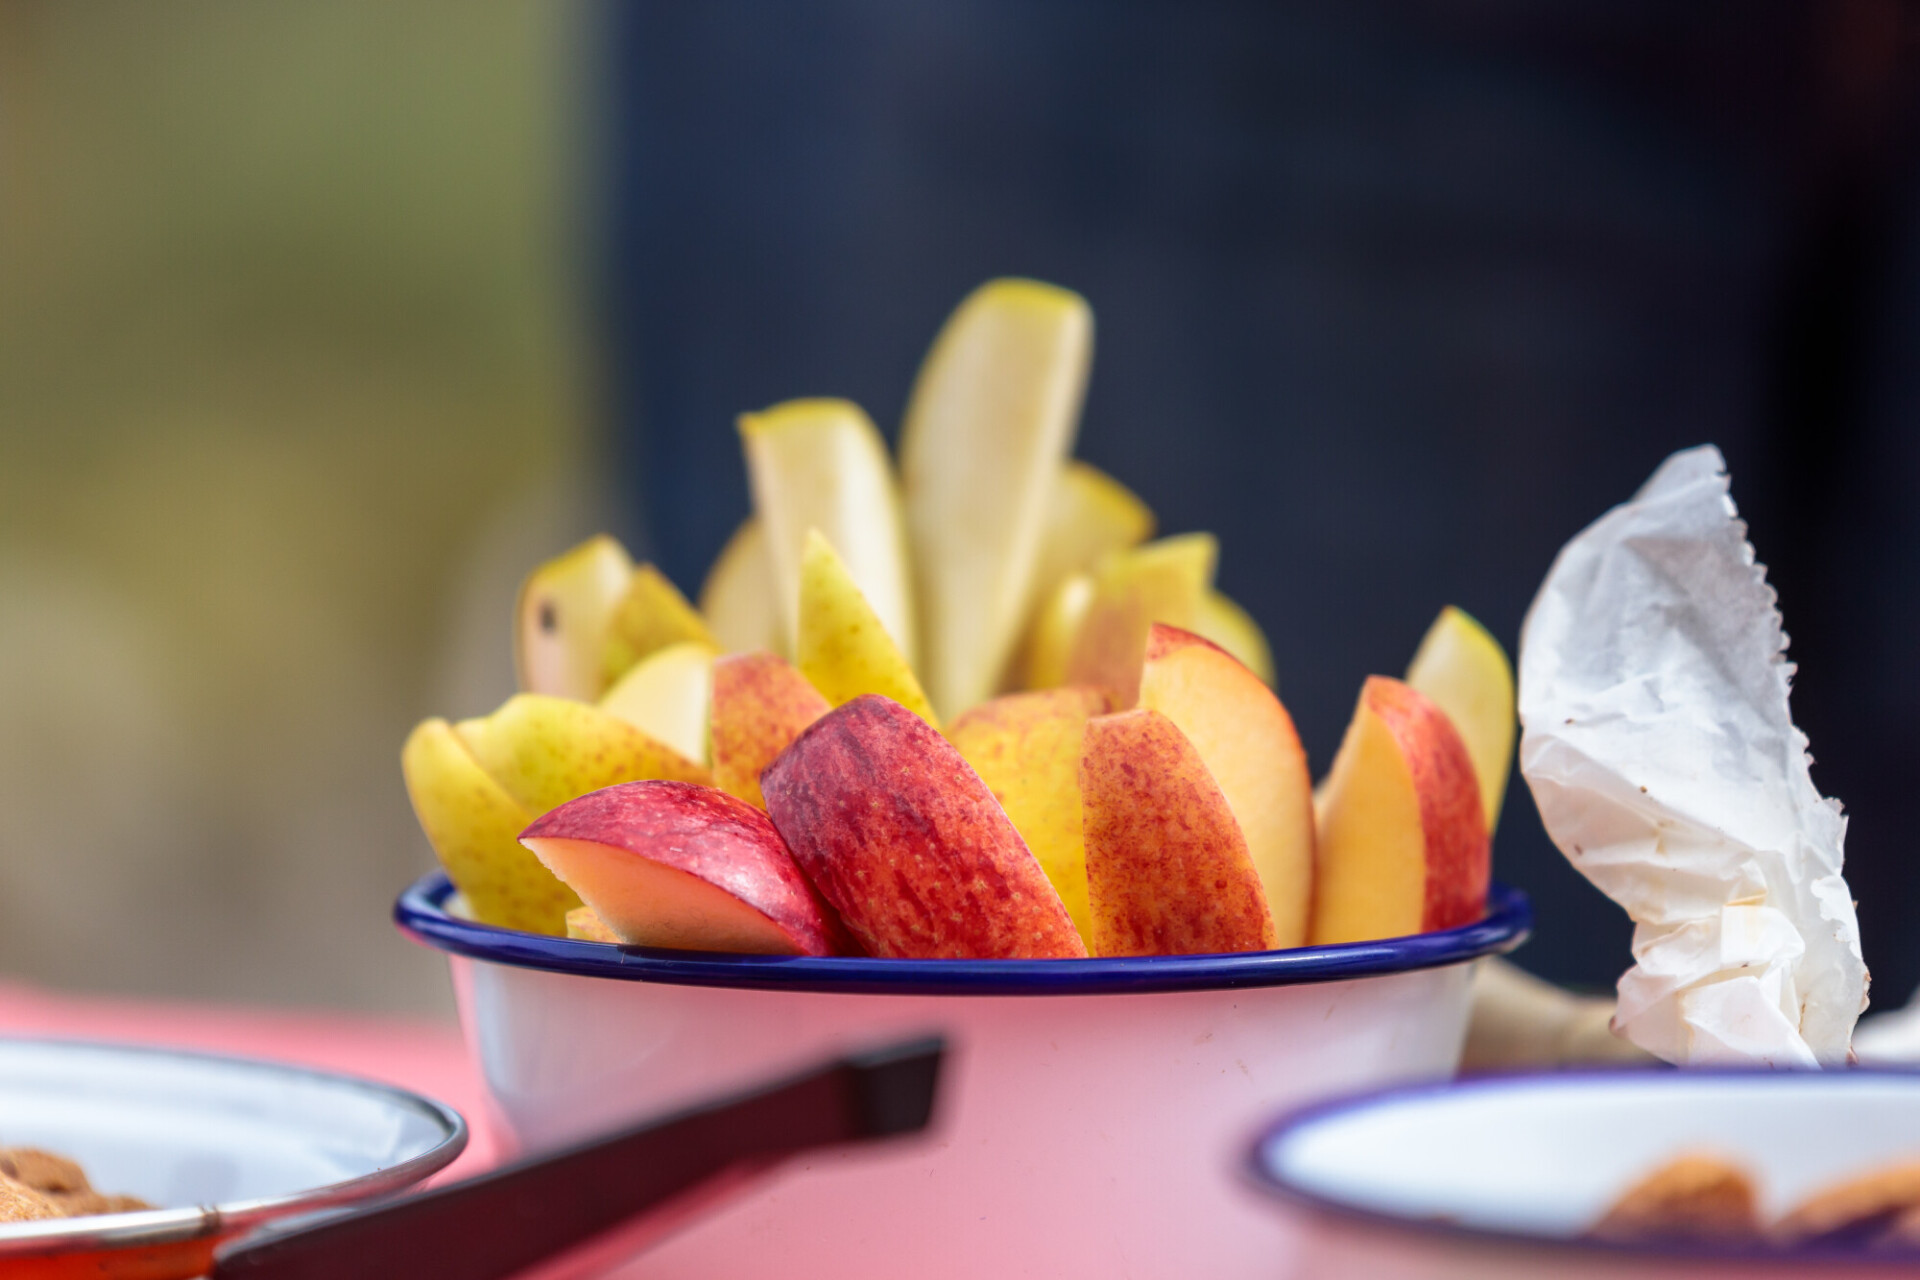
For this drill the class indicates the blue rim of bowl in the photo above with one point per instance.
(421, 913)
(1277, 1187)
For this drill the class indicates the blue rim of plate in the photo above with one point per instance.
(421, 913)
(1277, 1187)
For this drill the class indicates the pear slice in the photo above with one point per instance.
(546, 751)
(1089, 515)
(1225, 623)
(1164, 581)
(990, 422)
(738, 598)
(667, 695)
(820, 464)
(1463, 670)
(652, 615)
(844, 650)
(1049, 647)
(561, 618)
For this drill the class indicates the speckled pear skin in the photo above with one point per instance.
(906, 842)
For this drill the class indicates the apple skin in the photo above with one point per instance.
(1168, 871)
(760, 705)
(610, 845)
(900, 835)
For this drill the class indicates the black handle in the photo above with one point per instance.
(509, 1219)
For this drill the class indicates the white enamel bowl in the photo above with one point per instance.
(1091, 1114)
(1497, 1178)
(222, 1145)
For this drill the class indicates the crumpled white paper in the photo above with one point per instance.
(1657, 741)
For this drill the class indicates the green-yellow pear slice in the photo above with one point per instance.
(546, 751)
(844, 650)
(652, 615)
(561, 618)
(1463, 670)
(1224, 622)
(820, 464)
(474, 827)
(1163, 581)
(990, 422)
(738, 599)
(1049, 645)
(1089, 515)
(667, 696)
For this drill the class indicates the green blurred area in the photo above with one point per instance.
(291, 390)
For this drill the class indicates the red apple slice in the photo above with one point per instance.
(1168, 872)
(670, 864)
(900, 835)
(760, 705)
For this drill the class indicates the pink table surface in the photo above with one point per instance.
(423, 1055)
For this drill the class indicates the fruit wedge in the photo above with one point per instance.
(1026, 748)
(1402, 845)
(652, 615)
(1463, 669)
(665, 864)
(844, 649)
(1247, 741)
(1225, 623)
(760, 705)
(585, 925)
(1090, 515)
(820, 464)
(1164, 581)
(1049, 644)
(1168, 872)
(561, 618)
(545, 751)
(667, 696)
(902, 838)
(739, 600)
(990, 422)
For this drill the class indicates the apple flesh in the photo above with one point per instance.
(1168, 871)
(760, 705)
(1463, 669)
(1402, 844)
(585, 925)
(902, 838)
(668, 864)
(1163, 581)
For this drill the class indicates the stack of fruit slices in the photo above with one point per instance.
(964, 710)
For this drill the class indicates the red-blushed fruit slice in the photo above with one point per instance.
(899, 834)
(760, 705)
(1168, 871)
(671, 864)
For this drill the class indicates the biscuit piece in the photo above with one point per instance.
(1860, 1210)
(21, 1203)
(42, 1170)
(1690, 1198)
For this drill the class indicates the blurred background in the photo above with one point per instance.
(321, 323)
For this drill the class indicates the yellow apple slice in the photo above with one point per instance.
(1163, 581)
(652, 615)
(1026, 748)
(739, 600)
(760, 705)
(1168, 872)
(820, 464)
(1225, 623)
(844, 649)
(546, 751)
(667, 695)
(1402, 846)
(474, 827)
(991, 419)
(1247, 741)
(1049, 645)
(585, 925)
(561, 617)
(1465, 672)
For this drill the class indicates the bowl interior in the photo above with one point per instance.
(1547, 1155)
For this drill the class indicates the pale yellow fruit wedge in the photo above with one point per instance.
(990, 422)
(1164, 581)
(739, 600)
(546, 751)
(667, 695)
(1465, 672)
(1026, 748)
(651, 616)
(561, 619)
(1248, 742)
(1224, 622)
(585, 924)
(474, 827)
(1089, 515)
(1049, 646)
(820, 464)
(843, 648)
